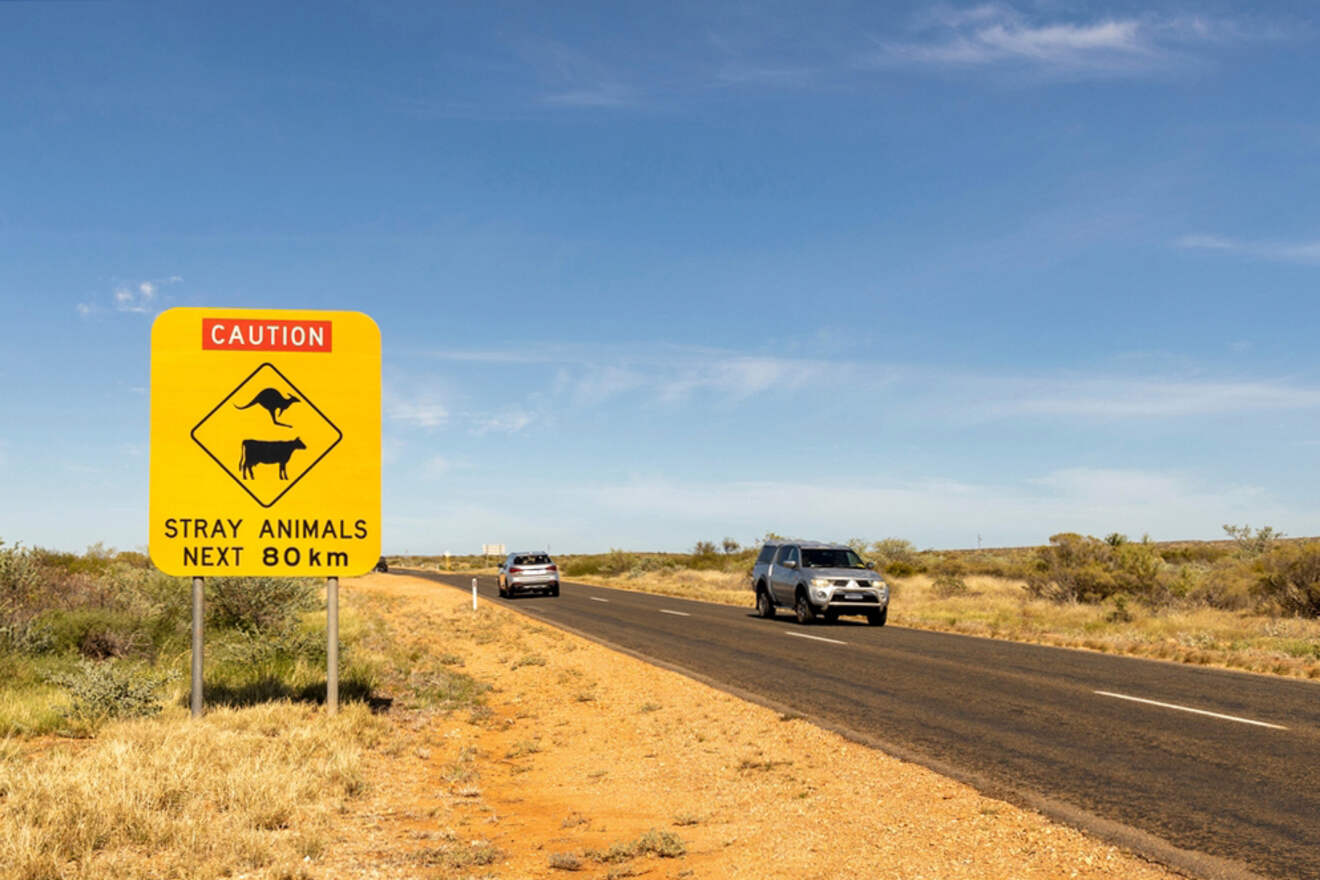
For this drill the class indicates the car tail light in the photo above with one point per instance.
(553, 568)
(514, 569)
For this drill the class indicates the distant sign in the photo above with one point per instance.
(492, 550)
(265, 443)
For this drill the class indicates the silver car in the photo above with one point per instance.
(818, 580)
(528, 572)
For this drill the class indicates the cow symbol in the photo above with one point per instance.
(257, 452)
(273, 402)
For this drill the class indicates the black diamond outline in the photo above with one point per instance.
(303, 398)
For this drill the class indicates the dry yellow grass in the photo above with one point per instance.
(248, 791)
(1001, 608)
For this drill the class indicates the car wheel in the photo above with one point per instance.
(764, 607)
(554, 591)
(878, 618)
(803, 610)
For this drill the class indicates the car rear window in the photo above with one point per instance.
(534, 559)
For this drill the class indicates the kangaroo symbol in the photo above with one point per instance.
(273, 402)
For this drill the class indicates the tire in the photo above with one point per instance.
(878, 618)
(504, 591)
(803, 609)
(554, 591)
(764, 607)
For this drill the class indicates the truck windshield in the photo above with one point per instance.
(830, 558)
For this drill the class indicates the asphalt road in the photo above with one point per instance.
(1228, 767)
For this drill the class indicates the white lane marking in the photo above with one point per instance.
(597, 599)
(789, 632)
(1190, 709)
(675, 613)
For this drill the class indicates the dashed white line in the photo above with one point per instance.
(597, 599)
(675, 613)
(1190, 709)
(789, 632)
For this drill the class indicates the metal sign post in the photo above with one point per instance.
(198, 584)
(332, 645)
(474, 594)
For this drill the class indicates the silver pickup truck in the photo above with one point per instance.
(817, 580)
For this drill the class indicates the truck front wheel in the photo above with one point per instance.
(803, 609)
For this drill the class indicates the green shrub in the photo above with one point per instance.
(665, 844)
(257, 604)
(20, 585)
(111, 689)
(949, 580)
(1290, 579)
(1073, 568)
(1080, 568)
(1251, 545)
(896, 557)
(96, 633)
(1228, 586)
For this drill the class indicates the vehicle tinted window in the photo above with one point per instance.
(767, 553)
(829, 557)
(788, 554)
(533, 559)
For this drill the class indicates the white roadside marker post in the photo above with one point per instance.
(332, 645)
(474, 594)
(197, 647)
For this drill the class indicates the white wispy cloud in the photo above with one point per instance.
(437, 466)
(746, 74)
(1000, 35)
(590, 377)
(740, 377)
(1307, 252)
(944, 512)
(1122, 398)
(603, 94)
(131, 297)
(420, 412)
(570, 77)
(502, 423)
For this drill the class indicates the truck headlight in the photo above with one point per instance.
(820, 582)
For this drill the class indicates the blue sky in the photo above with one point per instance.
(653, 273)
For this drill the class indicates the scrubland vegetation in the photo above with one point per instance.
(96, 647)
(93, 638)
(1250, 601)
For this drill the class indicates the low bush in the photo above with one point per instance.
(895, 556)
(1081, 568)
(95, 633)
(258, 604)
(949, 580)
(20, 584)
(99, 691)
(1290, 580)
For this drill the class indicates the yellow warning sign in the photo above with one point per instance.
(265, 442)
